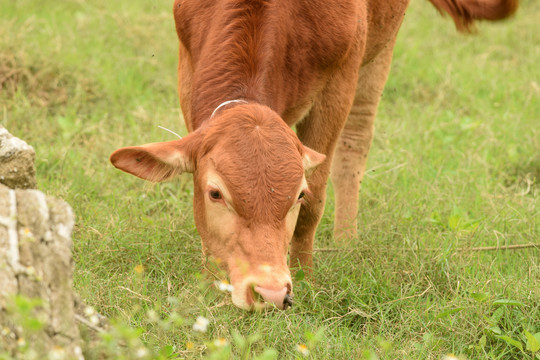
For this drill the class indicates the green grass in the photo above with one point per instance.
(455, 165)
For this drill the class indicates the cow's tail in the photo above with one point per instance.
(465, 12)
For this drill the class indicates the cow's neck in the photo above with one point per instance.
(235, 61)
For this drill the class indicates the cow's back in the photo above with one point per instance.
(274, 52)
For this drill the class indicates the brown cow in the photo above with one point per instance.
(248, 71)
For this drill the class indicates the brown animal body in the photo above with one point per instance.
(248, 71)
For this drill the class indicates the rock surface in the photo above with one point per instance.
(36, 262)
(17, 169)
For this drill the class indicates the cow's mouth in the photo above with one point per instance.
(254, 299)
(254, 296)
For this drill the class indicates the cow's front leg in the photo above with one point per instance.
(320, 130)
(301, 253)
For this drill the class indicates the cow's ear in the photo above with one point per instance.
(311, 159)
(158, 161)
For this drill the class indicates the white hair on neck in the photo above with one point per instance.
(211, 116)
(227, 103)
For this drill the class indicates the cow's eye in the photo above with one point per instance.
(301, 196)
(215, 195)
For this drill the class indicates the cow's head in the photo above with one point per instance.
(249, 171)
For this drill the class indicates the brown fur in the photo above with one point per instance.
(318, 64)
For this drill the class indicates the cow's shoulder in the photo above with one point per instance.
(321, 30)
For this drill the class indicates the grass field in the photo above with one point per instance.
(455, 165)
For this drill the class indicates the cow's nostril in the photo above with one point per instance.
(287, 302)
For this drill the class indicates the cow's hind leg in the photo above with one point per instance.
(352, 149)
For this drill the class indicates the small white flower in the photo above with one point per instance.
(5, 331)
(57, 353)
(141, 352)
(26, 234)
(21, 342)
(224, 285)
(302, 349)
(89, 311)
(94, 319)
(152, 315)
(201, 324)
(31, 354)
(78, 353)
(450, 357)
(221, 342)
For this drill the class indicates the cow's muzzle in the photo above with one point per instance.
(282, 298)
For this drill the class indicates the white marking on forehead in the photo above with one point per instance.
(215, 181)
